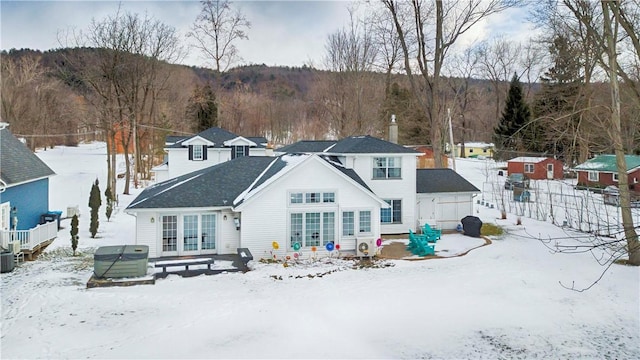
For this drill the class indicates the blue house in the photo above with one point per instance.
(24, 194)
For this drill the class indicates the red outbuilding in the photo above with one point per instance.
(536, 168)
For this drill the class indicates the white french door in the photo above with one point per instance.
(198, 234)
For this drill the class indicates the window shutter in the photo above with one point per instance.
(246, 151)
(190, 152)
(233, 152)
(204, 152)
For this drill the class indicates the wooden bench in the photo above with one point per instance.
(164, 264)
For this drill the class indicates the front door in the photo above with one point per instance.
(549, 171)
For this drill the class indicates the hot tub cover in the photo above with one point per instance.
(122, 252)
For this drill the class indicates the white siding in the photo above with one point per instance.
(444, 209)
(404, 188)
(228, 236)
(147, 232)
(179, 163)
(265, 218)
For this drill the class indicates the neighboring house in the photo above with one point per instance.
(388, 169)
(536, 168)
(444, 198)
(207, 148)
(250, 202)
(475, 149)
(24, 194)
(601, 171)
(427, 160)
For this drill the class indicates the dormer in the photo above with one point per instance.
(197, 146)
(239, 146)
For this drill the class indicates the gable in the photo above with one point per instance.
(240, 141)
(18, 164)
(197, 140)
(307, 169)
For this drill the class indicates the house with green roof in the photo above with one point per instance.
(601, 171)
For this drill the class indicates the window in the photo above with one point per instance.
(328, 197)
(169, 233)
(386, 168)
(208, 235)
(348, 225)
(592, 176)
(296, 229)
(190, 232)
(365, 221)
(528, 168)
(296, 198)
(239, 151)
(312, 198)
(312, 228)
(392, 215)
(198, 153)
(615, 177)
(328, 227)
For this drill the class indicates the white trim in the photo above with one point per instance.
(239, 141)
(199, 140)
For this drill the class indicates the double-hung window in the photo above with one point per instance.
(356, 222)
(387, 167)
(392, 215)
(615, 177)
(198, 152)
(592, 176)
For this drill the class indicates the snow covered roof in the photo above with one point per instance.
(477, 144)
(607, 163)
(528, 159)
(19, 163)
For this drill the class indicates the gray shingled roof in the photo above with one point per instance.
(17, 163)
(218, 136)
(368, 145)
(307, 146)
(441, 180)
(217, 185)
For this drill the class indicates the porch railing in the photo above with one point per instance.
(32, 238)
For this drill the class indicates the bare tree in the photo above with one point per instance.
(123, 73)
(216, 29)
(445, 21)
(350, 57)
(498, 61)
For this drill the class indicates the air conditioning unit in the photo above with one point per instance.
(365, 247)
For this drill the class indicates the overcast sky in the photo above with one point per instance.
(291, 33)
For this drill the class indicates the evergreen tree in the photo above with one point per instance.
(202, 108)
(74, 233)
(556, 102)
(94, 204)
(515, 132)
(108, 194)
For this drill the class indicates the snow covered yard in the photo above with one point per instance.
(504, 300)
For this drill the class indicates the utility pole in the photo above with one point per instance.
(453, 155)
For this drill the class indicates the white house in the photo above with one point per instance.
(250, 202)
(207, 148)
(444, 197)
(388, 169)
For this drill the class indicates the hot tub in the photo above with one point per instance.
(120, 261)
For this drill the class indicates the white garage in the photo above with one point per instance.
(443, 198)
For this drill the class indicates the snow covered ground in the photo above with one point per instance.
(504, 300)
